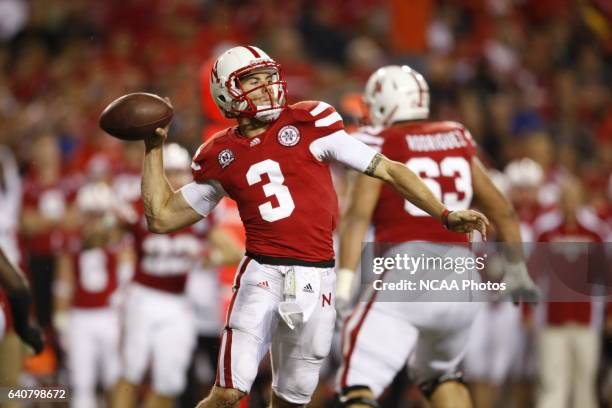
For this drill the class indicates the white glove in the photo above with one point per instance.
(519, 284)
(344, 291)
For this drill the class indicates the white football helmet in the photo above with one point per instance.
(500, 180)
(524, 173)
(95, 197)
(394, 93)
(176, 157)
(227, 91)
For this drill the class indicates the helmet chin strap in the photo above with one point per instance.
(268, 115)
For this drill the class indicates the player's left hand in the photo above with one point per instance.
(519, 285)
(344, 291)
(468, 221)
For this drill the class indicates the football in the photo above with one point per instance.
(135, 116)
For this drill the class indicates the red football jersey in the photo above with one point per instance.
(165, 260)
(551, 227)
(284, 194)
(441, 154)
(95, 273)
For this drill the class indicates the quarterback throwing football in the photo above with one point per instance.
(275, 165)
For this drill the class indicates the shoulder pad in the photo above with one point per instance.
(307, 111)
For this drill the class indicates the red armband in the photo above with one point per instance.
(444, 217)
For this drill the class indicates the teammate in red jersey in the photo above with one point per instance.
(274, 164)
(379, 337)
(570, 337)
(159, 323)
(86, 280)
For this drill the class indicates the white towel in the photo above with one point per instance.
(302, 291)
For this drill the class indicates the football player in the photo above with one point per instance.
(159, 324)
(86, 279)
(379, 337)
(274, 164)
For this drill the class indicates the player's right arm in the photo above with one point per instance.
(63, 291)
(18, 291)
(497, 208)
(167, 210)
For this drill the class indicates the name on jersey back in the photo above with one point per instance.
(436, 141)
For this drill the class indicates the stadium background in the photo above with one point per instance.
(528, 78)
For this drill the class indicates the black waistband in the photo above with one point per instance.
(275, 260)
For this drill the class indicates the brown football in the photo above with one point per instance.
(135, 116)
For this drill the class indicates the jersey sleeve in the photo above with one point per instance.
(471, 146)
(203, 197)
(343, 148)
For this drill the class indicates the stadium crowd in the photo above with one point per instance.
(530, 79)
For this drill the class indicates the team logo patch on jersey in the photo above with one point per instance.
(288, 136)
(255, 141)
(226, 157)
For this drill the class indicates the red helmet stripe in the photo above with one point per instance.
(416, 79)
(253, 51)
(214, 70)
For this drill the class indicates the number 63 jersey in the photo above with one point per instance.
(281, 180)
(441, 154)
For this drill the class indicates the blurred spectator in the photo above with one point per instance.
(47, 200)
(569, 342)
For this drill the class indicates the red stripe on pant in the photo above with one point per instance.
(227, 354)
(227, 360)
(353, 339)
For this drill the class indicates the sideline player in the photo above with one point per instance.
(380, 337)
(159, 323)
(274, 164)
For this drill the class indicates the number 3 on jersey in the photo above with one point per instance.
(428, 169)
(274, 188)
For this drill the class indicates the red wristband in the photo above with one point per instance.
(444, 217)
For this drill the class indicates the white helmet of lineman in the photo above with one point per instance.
(394, 93)
(176, 157)
(227, 91)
